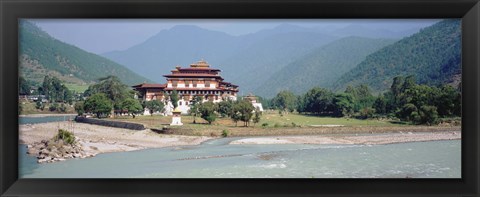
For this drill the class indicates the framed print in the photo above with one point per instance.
(373, 98)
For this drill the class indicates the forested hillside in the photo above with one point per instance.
(432, 55)
(41, 55)
(322, 66)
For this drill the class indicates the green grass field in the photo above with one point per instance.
(77, 88)
(276, 125)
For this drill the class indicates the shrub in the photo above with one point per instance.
(225, 133)
(66, 136)
(265, 125)
(62, 108)
(53, 107)
(276, 125)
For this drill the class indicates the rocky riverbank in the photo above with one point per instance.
(48, 151)
(93, 139)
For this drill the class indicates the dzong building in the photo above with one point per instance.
(197, 80)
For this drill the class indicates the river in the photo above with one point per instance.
(219, 159)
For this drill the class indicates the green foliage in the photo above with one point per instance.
(62, 108)
(24, 86)
(265, 125)
(112, 87)
(53, 107)
(284, 101)
(79, 107)
(242, 111)
(54, 55)
(225, 108)
(154, 106)
(256, 118)
(318, 101)
(55, 90)
(366, 113)
(131, 105)
(40, 105)
(207, 111)
(194, 107)
(174, 99)
(428, 115)
(98, 104)
(433, 55)
(344, 105)
(66, 136)
(225, 133)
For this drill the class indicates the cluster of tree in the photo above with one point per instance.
(55, 90)
(420, 104)
(109, 93)
(240, 110)
(25, 87)
(406, 100)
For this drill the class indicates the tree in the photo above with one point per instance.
(225, 108)
(343, 105)
(319, 101)
(154, 106)
(133, 106)
(112, 87)
(207, 111)
(174, 99)
(256, 118)
(243, 110)
(428, 115)
(380, 105)
(284, 101)
(194, 105)
(55, 91)
(98, 104)
(24, 86)
(79, 107)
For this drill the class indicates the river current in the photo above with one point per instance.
(219, 159)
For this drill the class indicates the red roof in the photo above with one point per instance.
(198, 68)
(150, 85)
(194, 89)
(176, 75)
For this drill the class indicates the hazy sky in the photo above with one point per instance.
(104, 35)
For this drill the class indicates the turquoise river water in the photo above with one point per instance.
(218, 159)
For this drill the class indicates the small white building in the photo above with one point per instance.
(253, 99)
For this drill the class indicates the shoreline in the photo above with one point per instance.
(43, 115)
(353, 139)
(96, 139)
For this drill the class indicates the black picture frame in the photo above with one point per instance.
(12, 10)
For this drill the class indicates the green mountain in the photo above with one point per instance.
(322, 66)
(41, 55)
(432, 55)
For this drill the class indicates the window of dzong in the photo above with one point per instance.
(180, 103)
(207, 84)
(174, 83)
(194, 84)
(187, 83)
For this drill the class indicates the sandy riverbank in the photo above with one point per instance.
(99, 139)
(44, 115)
(389, 138)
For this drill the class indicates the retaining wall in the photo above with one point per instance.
(108, 123)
